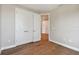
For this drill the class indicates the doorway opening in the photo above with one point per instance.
(44, 29)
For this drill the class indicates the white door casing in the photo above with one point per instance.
(37, 27)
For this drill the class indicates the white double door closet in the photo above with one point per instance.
(27, 26)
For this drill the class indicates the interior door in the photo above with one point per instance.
(37, 27)
(23, 26)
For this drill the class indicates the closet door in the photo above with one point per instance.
(37, 27)
(24, 26)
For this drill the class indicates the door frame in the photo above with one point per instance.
(49, 34)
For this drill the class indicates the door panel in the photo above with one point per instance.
(24, 26)
(37, 27)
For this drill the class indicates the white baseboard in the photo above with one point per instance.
(3, 48)
(17, 44)
(73, 48)
(65, 45)
(12, 46)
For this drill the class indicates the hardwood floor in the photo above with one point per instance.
(44, 47)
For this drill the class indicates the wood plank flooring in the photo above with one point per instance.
(44, 47)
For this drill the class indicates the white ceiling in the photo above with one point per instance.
(40, 8)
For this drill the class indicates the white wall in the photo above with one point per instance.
(7, 25)
(65, 26)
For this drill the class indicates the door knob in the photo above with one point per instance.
(26, 31)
